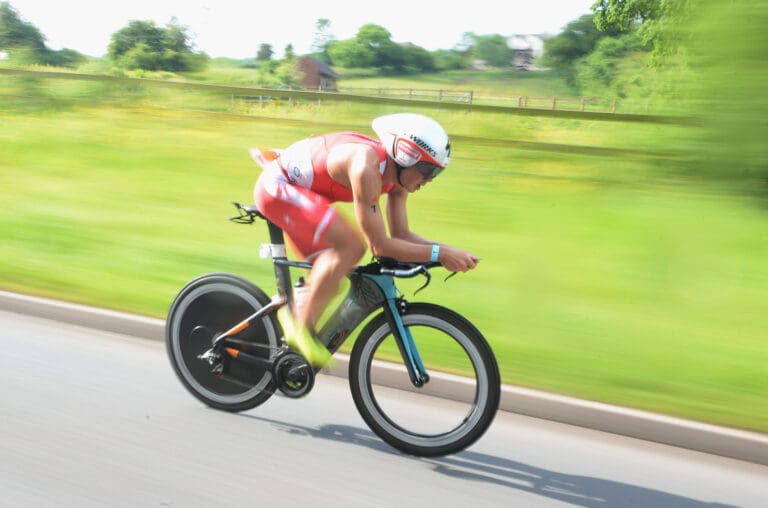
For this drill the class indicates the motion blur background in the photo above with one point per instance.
(623, 259)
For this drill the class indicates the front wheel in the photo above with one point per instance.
(204, 309)
(436, 419)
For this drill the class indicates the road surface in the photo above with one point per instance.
(95, 419)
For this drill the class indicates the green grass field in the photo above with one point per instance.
(610, 278)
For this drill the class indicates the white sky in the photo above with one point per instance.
(236, 28)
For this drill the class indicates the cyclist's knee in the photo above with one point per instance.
(346, 243)
(351, 252)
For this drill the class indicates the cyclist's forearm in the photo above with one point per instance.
(410, 236)
(403, 250)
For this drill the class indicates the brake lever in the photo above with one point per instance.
(477, 260)
(429, 279)
(426, 274)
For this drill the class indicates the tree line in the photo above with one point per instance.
(583, 53)
(139, 45)
(704, 58)
(147, 46)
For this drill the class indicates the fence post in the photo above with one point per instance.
(554, 103)
(471, 95)
(583, 102)
(613, 106)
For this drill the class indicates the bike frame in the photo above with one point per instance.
(370, 289)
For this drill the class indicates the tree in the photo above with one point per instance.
(386, 54)
(144, 45)
(450, 59)
(657, 21)
(361, 51)
(16, 33)
(278, 74)
(599, 73)
(322, 39)
(137, 33)
(289, 53)
(265, 53)
(24, 41)
(492, 49)
(348, 53)
(372, 46)
(64, 58)
(625, 14)
(418, 59)
(578, 39)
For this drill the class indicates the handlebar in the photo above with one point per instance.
(388, 266)
(407, 273)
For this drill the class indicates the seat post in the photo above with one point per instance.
(282, 271)
(276, 236)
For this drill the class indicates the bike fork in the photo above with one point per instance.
(402, 333)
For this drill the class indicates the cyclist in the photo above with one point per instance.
(299, 185)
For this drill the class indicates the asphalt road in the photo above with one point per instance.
(90, 418)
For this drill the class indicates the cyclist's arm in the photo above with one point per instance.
(366, 190)
(397, 217)
(452, 258)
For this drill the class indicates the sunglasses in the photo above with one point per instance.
(427, 169)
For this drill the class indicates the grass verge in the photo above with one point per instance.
(601, 277)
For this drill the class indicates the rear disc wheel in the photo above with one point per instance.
(203, 310)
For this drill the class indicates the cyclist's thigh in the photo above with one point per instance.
(301, 213)
(345, 239)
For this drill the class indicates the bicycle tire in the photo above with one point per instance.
(385, 412)
(217, 302)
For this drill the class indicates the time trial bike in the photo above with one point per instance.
(227, 348)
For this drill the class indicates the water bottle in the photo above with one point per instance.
(300, 294)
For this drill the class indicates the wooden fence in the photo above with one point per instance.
(469, 101)
(554, 103)
(464, 97)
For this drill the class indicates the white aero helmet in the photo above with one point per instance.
(410, 138)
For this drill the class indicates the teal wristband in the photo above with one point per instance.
(435, 253)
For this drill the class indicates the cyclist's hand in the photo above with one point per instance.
(456, 260)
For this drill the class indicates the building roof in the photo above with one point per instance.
(323, 68)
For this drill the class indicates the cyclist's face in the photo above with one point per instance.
(413, 178)
(427, 169)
